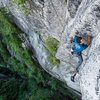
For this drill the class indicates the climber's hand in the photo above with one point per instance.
(72, 53)
(71, 40)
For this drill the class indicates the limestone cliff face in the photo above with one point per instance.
(43, 19)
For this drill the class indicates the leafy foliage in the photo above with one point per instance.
(10, 39)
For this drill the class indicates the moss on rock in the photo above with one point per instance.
(20, 1)
(22, 6)
(52, 44)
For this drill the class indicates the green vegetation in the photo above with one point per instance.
(12, 41)
(52, 44)
(22, 6)
(19, 2)
(23, 78)
(20, 88)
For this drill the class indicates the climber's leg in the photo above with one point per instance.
(79, 62)
(78, 65)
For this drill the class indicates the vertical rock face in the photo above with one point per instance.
(40, 19)
(73, 7)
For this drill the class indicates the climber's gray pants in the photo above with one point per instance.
(80, 60)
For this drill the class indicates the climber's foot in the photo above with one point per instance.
(72, 79)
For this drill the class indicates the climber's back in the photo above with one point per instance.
(80, 43)
(78, 47)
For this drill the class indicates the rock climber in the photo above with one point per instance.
(79, 43)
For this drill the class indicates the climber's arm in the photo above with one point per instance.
(89, 39)
(73, 34)
(71, 38)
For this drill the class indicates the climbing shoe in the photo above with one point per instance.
(72, 79)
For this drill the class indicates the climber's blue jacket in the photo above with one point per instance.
(77, 47)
